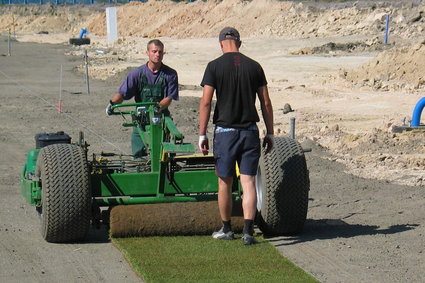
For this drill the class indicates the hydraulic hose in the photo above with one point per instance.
(416, 117)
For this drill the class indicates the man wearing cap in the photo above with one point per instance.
(237, 81)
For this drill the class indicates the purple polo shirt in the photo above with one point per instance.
(130, 87)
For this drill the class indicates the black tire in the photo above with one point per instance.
(79, 41)
(282, 189)
(65, 212)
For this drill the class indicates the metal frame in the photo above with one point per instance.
(171, 173)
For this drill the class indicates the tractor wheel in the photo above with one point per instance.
(65, 210)
(282, 189)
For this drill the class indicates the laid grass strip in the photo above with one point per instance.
(203, 259)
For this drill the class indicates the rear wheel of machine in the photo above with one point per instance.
(282, 189)
(65, 195)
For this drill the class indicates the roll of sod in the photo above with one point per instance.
(170, 219)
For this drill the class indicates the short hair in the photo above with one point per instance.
(155, 42)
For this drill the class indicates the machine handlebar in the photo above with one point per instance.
(129, 112)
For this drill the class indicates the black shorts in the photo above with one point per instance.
(238, 145)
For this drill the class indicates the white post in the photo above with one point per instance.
(8, 44)
(60, 92)
(111, 24)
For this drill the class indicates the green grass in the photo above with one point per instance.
(203, 259)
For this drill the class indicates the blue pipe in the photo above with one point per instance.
(83, 32)
(416, 117)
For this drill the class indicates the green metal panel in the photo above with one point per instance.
(146, 183)
(196, 181)
(172, 128)
(178, 148)
(155, 143)
(25, 186)
(146, 200)
(32, 160)
(30, 190)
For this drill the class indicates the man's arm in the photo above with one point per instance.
(267, 111)
(205, 109)
(117, 98)
(165, 102)
(204, 117)
(266, 108)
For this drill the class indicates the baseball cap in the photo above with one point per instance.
(229, 33)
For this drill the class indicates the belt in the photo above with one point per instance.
(219, 129)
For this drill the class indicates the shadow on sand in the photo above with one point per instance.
(324, 229)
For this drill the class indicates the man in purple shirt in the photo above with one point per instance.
(152, 82)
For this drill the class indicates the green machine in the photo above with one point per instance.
(171, 191)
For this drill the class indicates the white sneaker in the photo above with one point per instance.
(220, 235)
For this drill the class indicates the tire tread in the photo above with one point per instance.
(66, 196)
(286, 185)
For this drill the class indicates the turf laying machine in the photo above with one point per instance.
(171, 191)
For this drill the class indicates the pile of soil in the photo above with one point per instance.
(397, 68)
(378, 154)
(190, 20)
(47, 18)
(333, 48)
(349, 18)
(203, 19)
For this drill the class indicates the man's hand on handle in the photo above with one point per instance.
(203, 144)
(268, 142)
(109, 111)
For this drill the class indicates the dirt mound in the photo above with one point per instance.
(339, 48)
(47, 18)
(266, 18)
(397, 68)
(308, 20)
(379, 154)
(188, 20)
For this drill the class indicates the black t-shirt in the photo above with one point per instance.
(236, 79)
